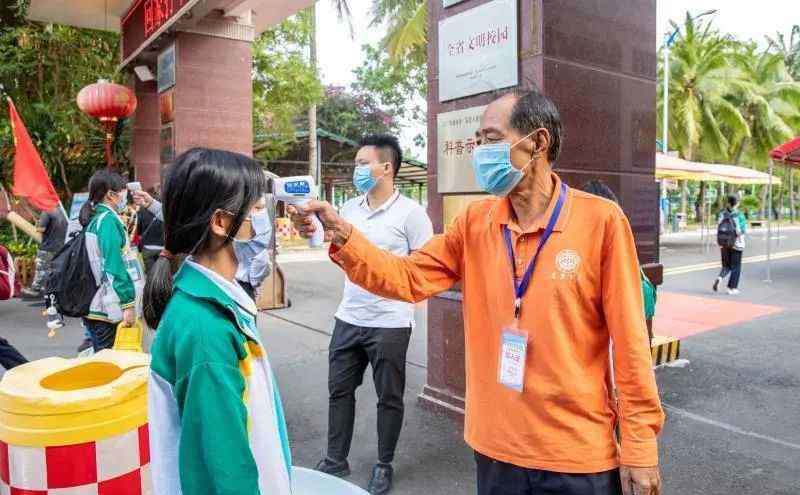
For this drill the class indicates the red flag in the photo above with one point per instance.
(30, 177)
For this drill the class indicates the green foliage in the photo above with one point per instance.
(768, 98)
(284, 85)
(44, 67)
(19, 249)
(701, 121)
(407, 35)
(400, 87)
(351, 114)
(750, 204)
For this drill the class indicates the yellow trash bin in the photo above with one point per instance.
(76, 426)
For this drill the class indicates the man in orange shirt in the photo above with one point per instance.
(549, 275)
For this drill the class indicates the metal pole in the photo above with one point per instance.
(769, 227)
(665, 134)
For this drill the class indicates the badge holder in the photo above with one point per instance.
(513, 356)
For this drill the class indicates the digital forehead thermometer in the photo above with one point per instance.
(299, 190)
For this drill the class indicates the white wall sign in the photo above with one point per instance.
(478, 50)
(456, 140)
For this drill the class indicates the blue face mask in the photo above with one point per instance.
(363, 179)
(122, 201)
(253, 254)
(493, 169)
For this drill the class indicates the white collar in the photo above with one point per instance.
(232, 289)
(385, 206)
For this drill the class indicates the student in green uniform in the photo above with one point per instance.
(107, 247)
(215, 414)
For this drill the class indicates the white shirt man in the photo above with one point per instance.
(370, 329)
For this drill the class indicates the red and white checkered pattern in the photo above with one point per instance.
(115, 466)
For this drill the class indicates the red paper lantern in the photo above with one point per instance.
(107, 102)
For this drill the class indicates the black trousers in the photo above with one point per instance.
(352, 348)
(499, 478)
(9, 355)
(731, 265)
(102, 333)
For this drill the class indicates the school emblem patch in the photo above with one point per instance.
(567, 262)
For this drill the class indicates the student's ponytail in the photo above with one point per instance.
(158, 289)
(200, 183)
(86, 213)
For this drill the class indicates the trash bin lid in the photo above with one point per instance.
(57, 401)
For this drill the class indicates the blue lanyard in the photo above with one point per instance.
(521, 286)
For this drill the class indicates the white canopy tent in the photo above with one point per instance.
(675, 168)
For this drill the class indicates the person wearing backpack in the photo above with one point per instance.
(52, 226)
(108, 247)
(214, 409)
(731, 229)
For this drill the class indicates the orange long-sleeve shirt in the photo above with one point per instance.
(585, 290)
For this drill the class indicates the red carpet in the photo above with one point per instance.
(681, 315)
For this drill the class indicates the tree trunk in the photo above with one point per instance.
(64, 177)
(764, 198)
(700, 203)
(312, 111)
(689, 155)
(737, 156)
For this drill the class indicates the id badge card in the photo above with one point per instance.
(133, 266)
(513, 354)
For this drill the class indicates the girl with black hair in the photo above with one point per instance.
(215, 415)
(114, 264)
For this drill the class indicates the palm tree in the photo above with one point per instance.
(768, 98)
(789, 49)
(701, 119)
(407, 34)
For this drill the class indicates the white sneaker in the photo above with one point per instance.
(733, 292)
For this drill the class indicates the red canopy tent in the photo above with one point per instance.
(787, 153)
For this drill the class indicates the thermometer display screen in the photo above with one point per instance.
(297, 187)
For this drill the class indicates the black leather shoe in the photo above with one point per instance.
(381, 482)
(334, 468)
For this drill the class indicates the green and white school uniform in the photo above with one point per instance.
(115, 266)
(216, 419)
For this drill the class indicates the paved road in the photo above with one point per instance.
(732, 426)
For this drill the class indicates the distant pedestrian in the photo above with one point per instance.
(731, 229)
(108, 248)
(151, 234)
(53, 227)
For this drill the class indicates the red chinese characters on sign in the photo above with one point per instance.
(459, 147)
(483, 39)
(146, 18)
(156, 14)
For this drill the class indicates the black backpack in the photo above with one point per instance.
(70, 284)
(726, 230)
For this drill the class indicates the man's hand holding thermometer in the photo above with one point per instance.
(308, 215)
(313, 219)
